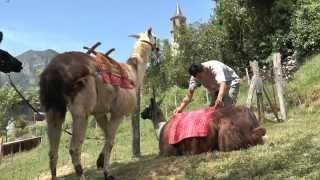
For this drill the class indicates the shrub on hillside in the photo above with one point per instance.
(305, 28)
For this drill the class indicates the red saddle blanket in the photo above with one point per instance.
(113, 72)
(189, 124)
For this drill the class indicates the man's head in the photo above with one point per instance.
(196, 69)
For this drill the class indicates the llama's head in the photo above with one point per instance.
(153, 111)
(149, 38)
(1, 36)
(8, 63)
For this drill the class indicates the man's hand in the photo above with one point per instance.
(184, 102)
(222, 91)
(218, 103)
(177, 110)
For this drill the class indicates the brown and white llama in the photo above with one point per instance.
(71, 82)
(231, 128)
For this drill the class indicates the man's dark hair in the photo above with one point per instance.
(194, 69)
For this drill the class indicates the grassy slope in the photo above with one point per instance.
(305, 89)
(291, 150)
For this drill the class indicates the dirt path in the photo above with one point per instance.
(61, 171)
(64, 170)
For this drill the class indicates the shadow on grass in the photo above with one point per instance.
(297, 157)
(145, 167)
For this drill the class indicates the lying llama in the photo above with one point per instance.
(230, 128)
(71, 82)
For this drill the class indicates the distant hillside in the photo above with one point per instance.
(33, 64)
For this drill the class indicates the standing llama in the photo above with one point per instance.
(231, 128)
(71, 82)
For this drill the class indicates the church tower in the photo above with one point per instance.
(178, 21)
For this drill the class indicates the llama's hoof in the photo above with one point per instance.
(109, 178)
(79, 170)
(100, 161)
(82, 177)
(53, 173)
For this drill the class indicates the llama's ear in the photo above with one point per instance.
(1, 36)
(160, 101)
(134, 36)
(150, 31)
(154, 103)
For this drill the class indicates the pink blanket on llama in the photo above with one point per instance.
(189, 124)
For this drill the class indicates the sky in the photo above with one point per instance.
(68, 25)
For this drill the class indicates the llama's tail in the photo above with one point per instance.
(62, 79)
(52, 88)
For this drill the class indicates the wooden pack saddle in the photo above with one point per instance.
(111, 71)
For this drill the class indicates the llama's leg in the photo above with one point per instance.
(102, 121)
(194, 146)
(229, 138)
(54, 121)
(112, 128)
(79, 126)
(166, 149)
(80, 107)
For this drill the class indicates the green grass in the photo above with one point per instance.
(291, 150)
(34, 164)
(305, 88)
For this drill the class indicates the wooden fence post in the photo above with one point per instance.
(248, 76)
(135, 117)
(279, 84)
(1, 149)
(251, 92)
(256, 87)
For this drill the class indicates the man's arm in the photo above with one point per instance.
(222, 91)
(186, 100)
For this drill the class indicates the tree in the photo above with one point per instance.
(157, 70)
(305, 29)
(8, 97)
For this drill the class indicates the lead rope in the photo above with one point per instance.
(20, 94)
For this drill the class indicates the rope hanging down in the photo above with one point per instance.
(35, 110)
(22, 97)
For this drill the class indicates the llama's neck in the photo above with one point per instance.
(158, 123)
(142, 52)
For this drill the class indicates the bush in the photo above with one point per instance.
(305, 28)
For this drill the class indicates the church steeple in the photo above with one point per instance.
(178, 21)
(178, 11)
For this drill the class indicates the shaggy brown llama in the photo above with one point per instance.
(71, 82)
(231, 128)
